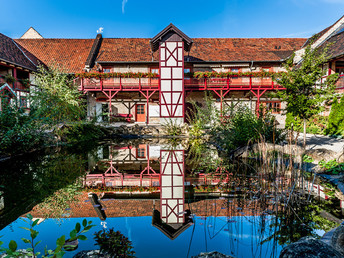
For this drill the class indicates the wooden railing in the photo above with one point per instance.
(190, 84)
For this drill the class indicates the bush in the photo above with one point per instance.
(114, 243)
(244, 128)
(335, 124)
(316, 125)
(80, 132)
(18, 131)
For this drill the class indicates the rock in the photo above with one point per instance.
(321, 154)
(89, 254)
(337, 240)
(310, 248)
(123, 129)
(213, 254)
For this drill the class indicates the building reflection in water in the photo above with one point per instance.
(145, 166)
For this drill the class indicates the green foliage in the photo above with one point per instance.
(305, 92)
(335, 124)
(332, 166)
(244, 128)
(55, 205)
(79, 132)
(307, 159)
(114, 243)
(59, 251)
(9, 78)
(55, 98)
(201, 117)
(315, 125)
(171, 128)
(18, 131)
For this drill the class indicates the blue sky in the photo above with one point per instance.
(145, 18)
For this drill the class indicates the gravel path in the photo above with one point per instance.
(315, 141)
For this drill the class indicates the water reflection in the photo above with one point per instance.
(189, 201)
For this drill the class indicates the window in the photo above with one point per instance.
(107, 70)
(141, 152)
(140, 109)
(234, 70)
(155, 70)
(273, 106)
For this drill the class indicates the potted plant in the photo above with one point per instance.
(9, 78)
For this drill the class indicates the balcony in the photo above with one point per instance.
(190, 84)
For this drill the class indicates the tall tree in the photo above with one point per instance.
(55, 98)
(306, 90)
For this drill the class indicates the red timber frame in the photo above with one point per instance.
(113, 172)
(172, 196)
(110, 90)
(172, 79)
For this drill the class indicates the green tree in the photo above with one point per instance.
(335, 124)
(306, 92)
(55, 98)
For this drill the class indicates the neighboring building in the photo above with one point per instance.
(16, 67)
(333, 38)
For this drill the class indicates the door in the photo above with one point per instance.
(140, 113)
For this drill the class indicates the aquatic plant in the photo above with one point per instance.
(114, 243)
(60, 249)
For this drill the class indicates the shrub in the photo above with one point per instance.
(244, 128)
(80, 132)
(18, 131)
(114, 243)
(335, 124)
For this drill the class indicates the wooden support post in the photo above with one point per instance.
(147, 96)
(14, 86)
(110, 109)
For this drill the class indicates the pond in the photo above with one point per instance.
(169, 198)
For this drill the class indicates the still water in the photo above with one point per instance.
(170, 199)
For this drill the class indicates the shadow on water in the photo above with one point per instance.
(28, 180)
(196, 200)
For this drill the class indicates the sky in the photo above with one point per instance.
(146, 18)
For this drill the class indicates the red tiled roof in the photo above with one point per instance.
(70, 54)
(11, 53)
(141, 207)
(244, 49)
(203, 49)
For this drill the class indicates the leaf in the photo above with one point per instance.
(84, 223)
(34, 233)
(60, 241)
(13, 245)
(26, 241)
(73, 234)
(82, 237)
(29, 216)
(77, 227)
(86, 229)
(25, 228)
(37, 243)
(35, 222)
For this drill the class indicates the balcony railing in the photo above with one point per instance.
(194, 84)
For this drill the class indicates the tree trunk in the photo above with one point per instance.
(304, 133)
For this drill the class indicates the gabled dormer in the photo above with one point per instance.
(170, 33)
